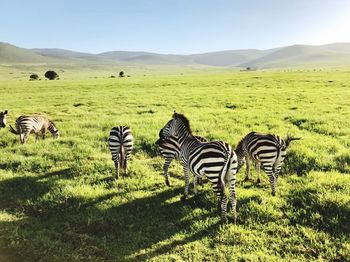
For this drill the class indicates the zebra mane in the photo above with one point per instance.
(184, 120)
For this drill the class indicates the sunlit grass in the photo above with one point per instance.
(58, 202)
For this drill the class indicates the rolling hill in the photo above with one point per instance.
(337, 54)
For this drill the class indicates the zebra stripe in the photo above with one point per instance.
(3, 119)
(34, 124)
(120, 144)
(266, 151)
(215, 160)
(170, 149)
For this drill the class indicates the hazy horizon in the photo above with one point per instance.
(146, 51)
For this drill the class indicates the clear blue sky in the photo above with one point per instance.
(172, 26)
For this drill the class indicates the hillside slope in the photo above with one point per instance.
(337, 54)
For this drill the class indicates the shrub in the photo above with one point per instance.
(51, 75)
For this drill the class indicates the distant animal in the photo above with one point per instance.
(266, 151)
(3, 119)
(170, 149)
(215, 160)
(33, 124)
(121, 143)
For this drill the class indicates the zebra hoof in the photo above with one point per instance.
(167, 183)
(246, 179)
(273, 194)
(258, 181)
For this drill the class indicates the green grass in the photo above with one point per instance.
(58, 203)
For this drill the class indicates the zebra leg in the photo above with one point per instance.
(199, 181)
(187, 182)
(268, 170)
(25, 138)
(165, 170)
(258, 169)
(277, 173)
(247, 171)
(223, 201)
(125, 166)
(233, 199)
(116, 164)
(195, 181)
(36, 137)
(21, 138)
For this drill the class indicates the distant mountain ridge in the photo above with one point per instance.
(336, 54)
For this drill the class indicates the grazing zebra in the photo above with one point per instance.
(215, 160)
(266, 151)
(120, 143)
(170, 149)
(34, 124)
(3, 120)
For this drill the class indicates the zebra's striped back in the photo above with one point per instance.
(268, 150)
(3, 119)
(34, 124)
(265, 147)
(120, 143)
(170, 148)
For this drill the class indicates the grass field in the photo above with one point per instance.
(58, 203)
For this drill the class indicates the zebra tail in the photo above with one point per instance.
(122, 157)
(225, 170)
(12, 130)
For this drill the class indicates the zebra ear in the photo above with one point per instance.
(175, 114)
(5, 112)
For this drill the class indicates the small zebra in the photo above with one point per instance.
(33, 124)
(3, 119)
(215, 160)
(170, 149)
(120, 143)
(266, 151)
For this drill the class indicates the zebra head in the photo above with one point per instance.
(290, 138)
(240, 153)
(3, 119)
(178, 126)
(54, 131)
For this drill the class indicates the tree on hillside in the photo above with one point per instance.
(121, 74)
(51, 75)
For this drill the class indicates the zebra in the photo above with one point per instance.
(3, 119)
(120, 144)
(170, 149)
(215, 160)
(34, 124)
(267, 151)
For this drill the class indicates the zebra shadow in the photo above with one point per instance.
(117, 232)
(141, 223)
(312, 210)
(148, 147)
(16, 191)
